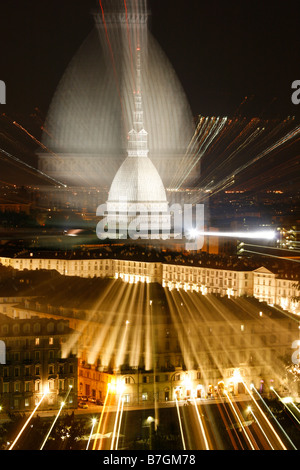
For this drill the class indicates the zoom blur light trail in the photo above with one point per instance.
(260, 427)
(279, 425)
(201, 425)
(91, 433)
(102, 414)
(53, 424)
(120, 421)
(271, 256)
(238, 418)
(180, 425)
(264, 416)
(257, 235)
(56, 418)
(31, 169)
(285, 402)
(116, 420)
(27, 422)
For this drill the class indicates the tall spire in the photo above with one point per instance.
(137, 137)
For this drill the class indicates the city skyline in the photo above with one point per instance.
(149, 226)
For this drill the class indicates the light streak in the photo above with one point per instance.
(36, 140)
(94, 421)
(279, 425)
(102, 414)
(56, 418)
(271, 256)
(257, 422)
(243, 142)
(180, 425)
(231, 422)
(264, 234)
(120, 420)
(52, 426)
(116, 422)
(129, 43)
(201, 425)
(264, 415)
(273, 248)
(31, 168)
(112, 59)
(238, 418)
(153, 349)
(117, 294)
(285, 403)
(281, 141)
(206, 131)
(27, 421)
(57, 157)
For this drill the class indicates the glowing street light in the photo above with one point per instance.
(149, 421)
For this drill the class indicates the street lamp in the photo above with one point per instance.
(150, 420)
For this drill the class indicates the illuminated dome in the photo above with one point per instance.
(137, 180)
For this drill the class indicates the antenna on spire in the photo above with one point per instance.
(137, 137)
(138, 69)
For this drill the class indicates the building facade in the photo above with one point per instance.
(259, 283)
(34, 365)
(192, 351)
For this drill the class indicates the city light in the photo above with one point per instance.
(258, 235)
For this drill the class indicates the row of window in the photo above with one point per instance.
(36, 386)
(17, 403)
(38, 369)
(27, 328)
(33, 355)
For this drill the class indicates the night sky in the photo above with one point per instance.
(222, 51)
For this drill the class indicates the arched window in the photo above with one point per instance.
(2, 352)
(26, 328)
(16, 329)
(50, 327)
